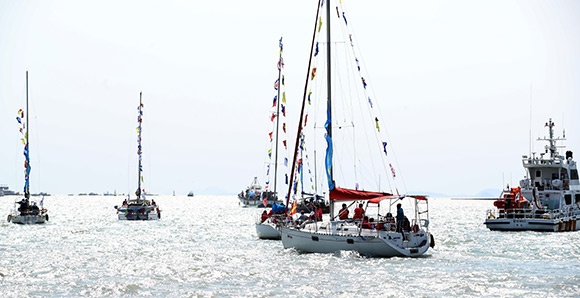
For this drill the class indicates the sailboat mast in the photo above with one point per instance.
(302, 109)
(278, 116)
(27, 150)
(328, 87)
(138, 192)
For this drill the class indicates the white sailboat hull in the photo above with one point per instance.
(150, 216)
(138, 213)
(28, 219)
(366, 242)
(268, 231)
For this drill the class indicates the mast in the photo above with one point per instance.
(302, 109)
(280, 65)
(27, 147)
(329, 100)
(139, 152)
(552, 139)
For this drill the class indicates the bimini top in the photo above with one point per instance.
(344, 194)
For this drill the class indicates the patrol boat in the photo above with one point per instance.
(547, 199)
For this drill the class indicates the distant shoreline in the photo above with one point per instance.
(475, 198)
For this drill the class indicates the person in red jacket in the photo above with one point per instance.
(343, 213)
(264, 216)
(318, 214)
(359, 212)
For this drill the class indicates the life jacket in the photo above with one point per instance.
(358, 213)
(343, 214)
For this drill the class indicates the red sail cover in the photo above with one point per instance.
(344, 194)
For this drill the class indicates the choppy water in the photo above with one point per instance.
(207, 246)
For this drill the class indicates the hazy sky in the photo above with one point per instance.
(460, 80)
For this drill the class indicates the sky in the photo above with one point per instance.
(465, 85)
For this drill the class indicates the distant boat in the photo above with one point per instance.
(26, 211)
(139, 208)
(373, 235)
(190, 194)
(5, 191)
(548, 199)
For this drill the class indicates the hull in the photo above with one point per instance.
(244, 202)
(371, 243)
(138, 213)
(524, 224)
(150, 216)
(268, 231)
(28, 219)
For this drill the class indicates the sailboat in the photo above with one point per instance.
(268, 224)
(139, 208)
(27, 211)
(375, 233)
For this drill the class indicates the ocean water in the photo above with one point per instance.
(206, 246)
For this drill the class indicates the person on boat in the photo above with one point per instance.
(318, 213)
(264, 216)
(400, 219)
(365, 223)
(406, 224)
(34, 209)
(152, 202)
(303, 217)
(359, 212)
(343, 213)
(389, 221)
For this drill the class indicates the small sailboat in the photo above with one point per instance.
(356, 157)
(26, 211)
(547, 199)
(139, 208)
(268, 223)
(255, 194)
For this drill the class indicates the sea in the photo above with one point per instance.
(206, 246)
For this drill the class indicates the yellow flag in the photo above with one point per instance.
(319, 24)
(284, 97)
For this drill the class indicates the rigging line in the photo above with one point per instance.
(358, 54)
(302, 109)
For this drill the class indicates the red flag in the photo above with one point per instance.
(293, 210)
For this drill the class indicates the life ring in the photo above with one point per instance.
(9, 218)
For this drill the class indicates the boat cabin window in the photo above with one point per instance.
(574, 174)
(577, 198)
(538, 173)
(568, 199)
